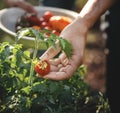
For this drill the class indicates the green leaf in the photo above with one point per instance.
(26, 90)
(21, 33)
(66, 46)
(49, 41)
(35, 33)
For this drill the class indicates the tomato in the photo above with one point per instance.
(44, 24)
(42, 20)
(36, 27)
(42, 67)
(33, 19)
(47, 15)
(48, 28)
(59, 22)
(56, 32)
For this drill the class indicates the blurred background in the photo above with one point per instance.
(95, 53)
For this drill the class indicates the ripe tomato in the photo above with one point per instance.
(59, 22)
(47, 15)
(42, 67)
(48, 28)
(56, 32)
(44, 24)
(42, 20)
(33, 19)
(36, 27)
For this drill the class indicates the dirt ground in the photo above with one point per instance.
(95, 60)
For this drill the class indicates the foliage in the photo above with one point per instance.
(21, 91)
(46, 37)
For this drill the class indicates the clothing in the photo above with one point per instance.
(113, 57)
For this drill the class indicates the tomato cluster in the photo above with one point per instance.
(49, 21)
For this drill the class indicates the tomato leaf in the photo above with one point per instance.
(49, 41)
(66, 46)
(26, 90)
(21, 33)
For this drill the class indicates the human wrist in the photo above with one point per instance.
(80, 25)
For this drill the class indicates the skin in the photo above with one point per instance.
(62, 67)
(22, 4)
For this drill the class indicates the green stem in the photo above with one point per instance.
(32, 63)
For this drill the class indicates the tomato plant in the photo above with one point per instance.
(42, 67)
(22, 92)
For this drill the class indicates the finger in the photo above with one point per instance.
(62, 56)
(62, 74)
(65, 62)
(56, 76)
(51, 52)
(54, 68)
(30, 8)
(64, 59)
(55, 62)
(60, 66)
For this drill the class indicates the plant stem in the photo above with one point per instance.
(32, 63)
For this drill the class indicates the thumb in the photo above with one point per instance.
(51, 52)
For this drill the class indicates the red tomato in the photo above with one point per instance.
(56, 32)
(44, 24)
(36, 27)
(33, 19)
(42, 67)
(59, 22)
(48, 28)
(42, 20)
(47, 15)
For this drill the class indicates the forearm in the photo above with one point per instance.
(21, 4)
(93, 10)
(12, 3)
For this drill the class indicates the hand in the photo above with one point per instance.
(62, 67)
(22, 4)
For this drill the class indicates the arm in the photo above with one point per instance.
(93, 9)
(22, 4)
(63, 68)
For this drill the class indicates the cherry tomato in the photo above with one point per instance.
(59, 22)
(42, 20)
(42, 67)
(48, 28)
(33, 19)
(44, 24)
(56, 32)
(47, 15)
(36, 27)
